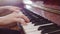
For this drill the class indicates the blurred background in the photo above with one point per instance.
(21, 2)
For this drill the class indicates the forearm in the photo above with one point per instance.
(1, 21)
(2, 25)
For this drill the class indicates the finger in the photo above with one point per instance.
(25, 18)
(20, 20)
(21, 15)
(14, 8)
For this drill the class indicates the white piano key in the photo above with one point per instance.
(30, 30)
(35, 27)
(35, 32)
(28, 26)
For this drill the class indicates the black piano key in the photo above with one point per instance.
(58, 32)
(43, 27)
(50, 29)
(28, 13)
(34, 18)
(24, 12)
(42, 22)
(32, 14)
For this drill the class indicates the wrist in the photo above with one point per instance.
(2, 21)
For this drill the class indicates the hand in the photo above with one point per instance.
(14, 17)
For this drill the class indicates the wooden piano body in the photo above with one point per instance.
(47, 9)
(50, 9)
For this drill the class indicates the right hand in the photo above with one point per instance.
(14, 17)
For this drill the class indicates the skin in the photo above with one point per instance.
(13, 18)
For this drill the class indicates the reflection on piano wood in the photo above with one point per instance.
(42, 6)
(50, 12)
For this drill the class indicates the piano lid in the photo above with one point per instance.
(49, 2)
(48, 5)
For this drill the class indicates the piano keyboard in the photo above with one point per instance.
(39, 25)
(31, 29)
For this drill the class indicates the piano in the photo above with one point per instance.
(44, 16)
(41, 22)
